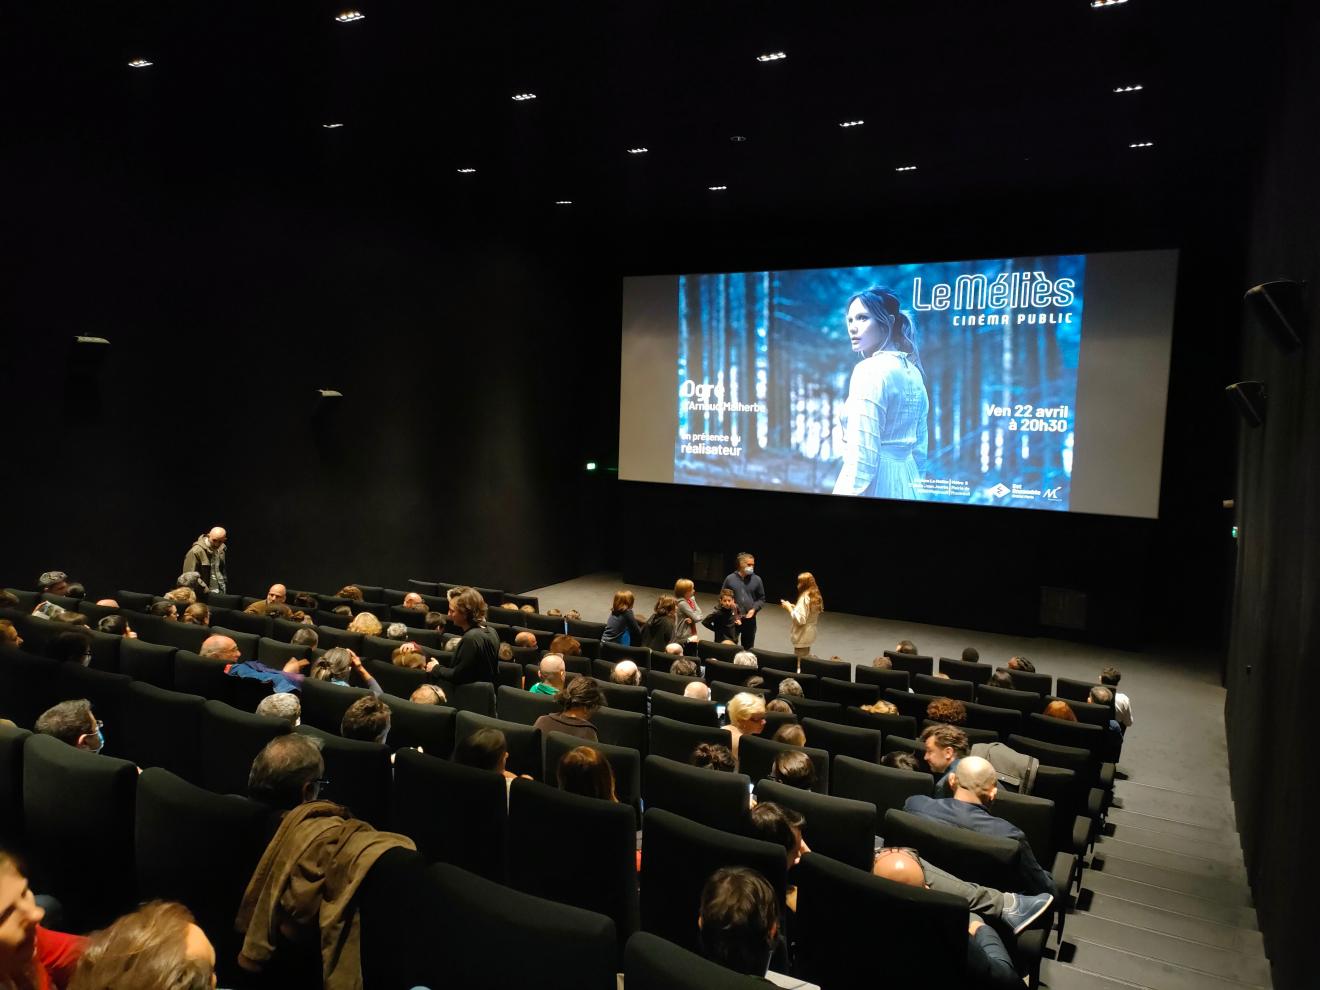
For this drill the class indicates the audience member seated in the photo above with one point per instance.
(435, 620)
(1109, 677)
(975, 786)
(164, 610)
(794, 768)
(578, 701)
(947, 710)
(72, 645)
(506, 653)
(477, 654)
(756, 681)
(684, 667)
(881, 707)
(197, 614)
(525, 640)
(899, 760)
(1022, 664)
(626, 672)
(554, 613)
(565, 646)
(31, 957)
(219, 647)
(674, 649)
(305, 637)
(697, 690)
(10, 600)
(366, 624)
(9, 634)
(343, 611)
(338, 665)
(573, 614)
(713, 756)
(1060, 709)
(486, 749)
(72, 618)
(396, 630)
(586, 771)
(156, 947)
(183, 596)
(277, 594)
(790, 688)
(1001, 678)
(792, 734)
(116, 625)
(350, 591)
(54, 583)
(282, 704)
(72, 722)
(882, 663)
(621, 626)
(287, 772)
(307, 603)
(366, 720)
(970, 654)
(286, 679)
(906, 646)
(745, 658)
(746, 715)
(1103, 695)
(739, 920)
(945, 745)
(662, 628)
(428, 694)
(552, 675)
(407, 655)
(412, 600)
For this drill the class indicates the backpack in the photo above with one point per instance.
(1016, 771)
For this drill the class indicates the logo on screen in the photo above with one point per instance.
(1000, 490)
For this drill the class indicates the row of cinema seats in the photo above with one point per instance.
(837, 825)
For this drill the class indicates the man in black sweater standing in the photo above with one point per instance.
(477, 657)
(749, 592)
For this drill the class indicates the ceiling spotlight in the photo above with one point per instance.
(1128, 89)
(906, 168)
(771, 57)
(638, 151)
(348, 16)
(139, 63)
(563, 202)
(851, 123)
(523, 97)
(1106, 3)
(737, 138)
(717, 188)
(331, 127)
(466, 171)
(1142, 144)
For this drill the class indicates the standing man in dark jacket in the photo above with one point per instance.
(749, 593)
(207, 557)
(477, 657)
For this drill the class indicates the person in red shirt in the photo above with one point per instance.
(31, 957)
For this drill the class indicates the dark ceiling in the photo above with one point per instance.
(984, 98)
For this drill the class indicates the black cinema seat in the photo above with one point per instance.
(413, 725)
(160, 728)
(230, 741)
(844, 740)
(524, 742)
(676, 740)
(943, 687)
(884, 787)
(758, 759)
(691, 710)
(966, 670)
(455, 814)
(899, 680)
(838, 827)
(652, 963)
(626, 764)
(713, 797)
(359, 775)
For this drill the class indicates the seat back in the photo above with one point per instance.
(758, 759)
(826, 711)
(966, 670)
(1025, 702)
(160, 729)
(1041, 684)
(847, 693)
(230, 741)
(787, 662)
(841, 910)
(277, 652)
(455, 814)
(1064, 733)
(844, 740)
(175, 820)
(477, 697)
(716, 798)
(722, 692)
(840, 670)
(580, 628)
(182, 635)
(943, 687)
(990, 860)
(328, 637)
(78, 812)
(204, 676)
(838, 827)
(691, 710)
(727, 672)
(150, 663)
(359, 775)
(625, 763)
(324, 703)
(1034, 815)
(899, 680)
(896, 725)
(1088, 713)
(12, 739)
(884, 787)
(103, 689)
(617, 651)
(28, 685)
(707, 650)
(1003, 721)
(662, 680)
(523, 707)
(676, 740)
(624, 697)
(1071, 690)
(909, 704)
(651, 963)
(398, 681)
(621, 728)
(913, 663)
(680, 855)
(595, 866)
(524, 742)
(412, 725)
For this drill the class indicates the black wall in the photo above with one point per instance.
(1273, 678)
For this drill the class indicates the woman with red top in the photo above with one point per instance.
(31, 957)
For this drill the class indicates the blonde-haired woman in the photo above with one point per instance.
(803, 614)
(365, 623)
(746, 717)
(689, 613)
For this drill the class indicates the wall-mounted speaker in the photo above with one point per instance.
(1249, 400)
(1280, 307)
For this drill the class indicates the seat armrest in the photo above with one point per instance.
(1107, 775)
(1095, 804)
(1081, 834)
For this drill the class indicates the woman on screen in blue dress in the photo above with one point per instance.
(885, 415)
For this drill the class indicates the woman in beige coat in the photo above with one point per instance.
(804, 613)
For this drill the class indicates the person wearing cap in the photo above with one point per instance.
(54, 582)
(207, 557)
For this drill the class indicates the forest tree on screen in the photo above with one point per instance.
(963, 389)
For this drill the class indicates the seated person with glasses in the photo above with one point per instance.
(73, 722)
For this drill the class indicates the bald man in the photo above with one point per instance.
(219, 648)
(525, 640)
(207, 557)
(415, 601)
(975, 786)
(626, 672)
(552, 675)
(276, 594)
(988, 962)
(697, 689)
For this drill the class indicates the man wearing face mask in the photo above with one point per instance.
(975, 786)
(73, 722)
(749, 595)
(207, 557)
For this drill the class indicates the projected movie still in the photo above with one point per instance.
(955, 381)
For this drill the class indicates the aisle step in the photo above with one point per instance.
(1238, 915)
(1240, 967)
(1213, 933)
(1193, 809)
(1055, 975)
(1227, 852)
(1118, 847)
(1212, 889)
(1191, 831)
(1142, 971)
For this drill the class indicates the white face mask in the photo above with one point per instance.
(747, 569)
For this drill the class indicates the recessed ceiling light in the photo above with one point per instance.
(1106, 3)
(737, 138)
(524, 97)
(717, 188)
(466, 171)
(771, 57)
(638, 151)
(349, 16)
(1142, 144)
(332, 126)
(906, 168)
(851, 123)
(563, 202)
(140, 63)
(1129, 89)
